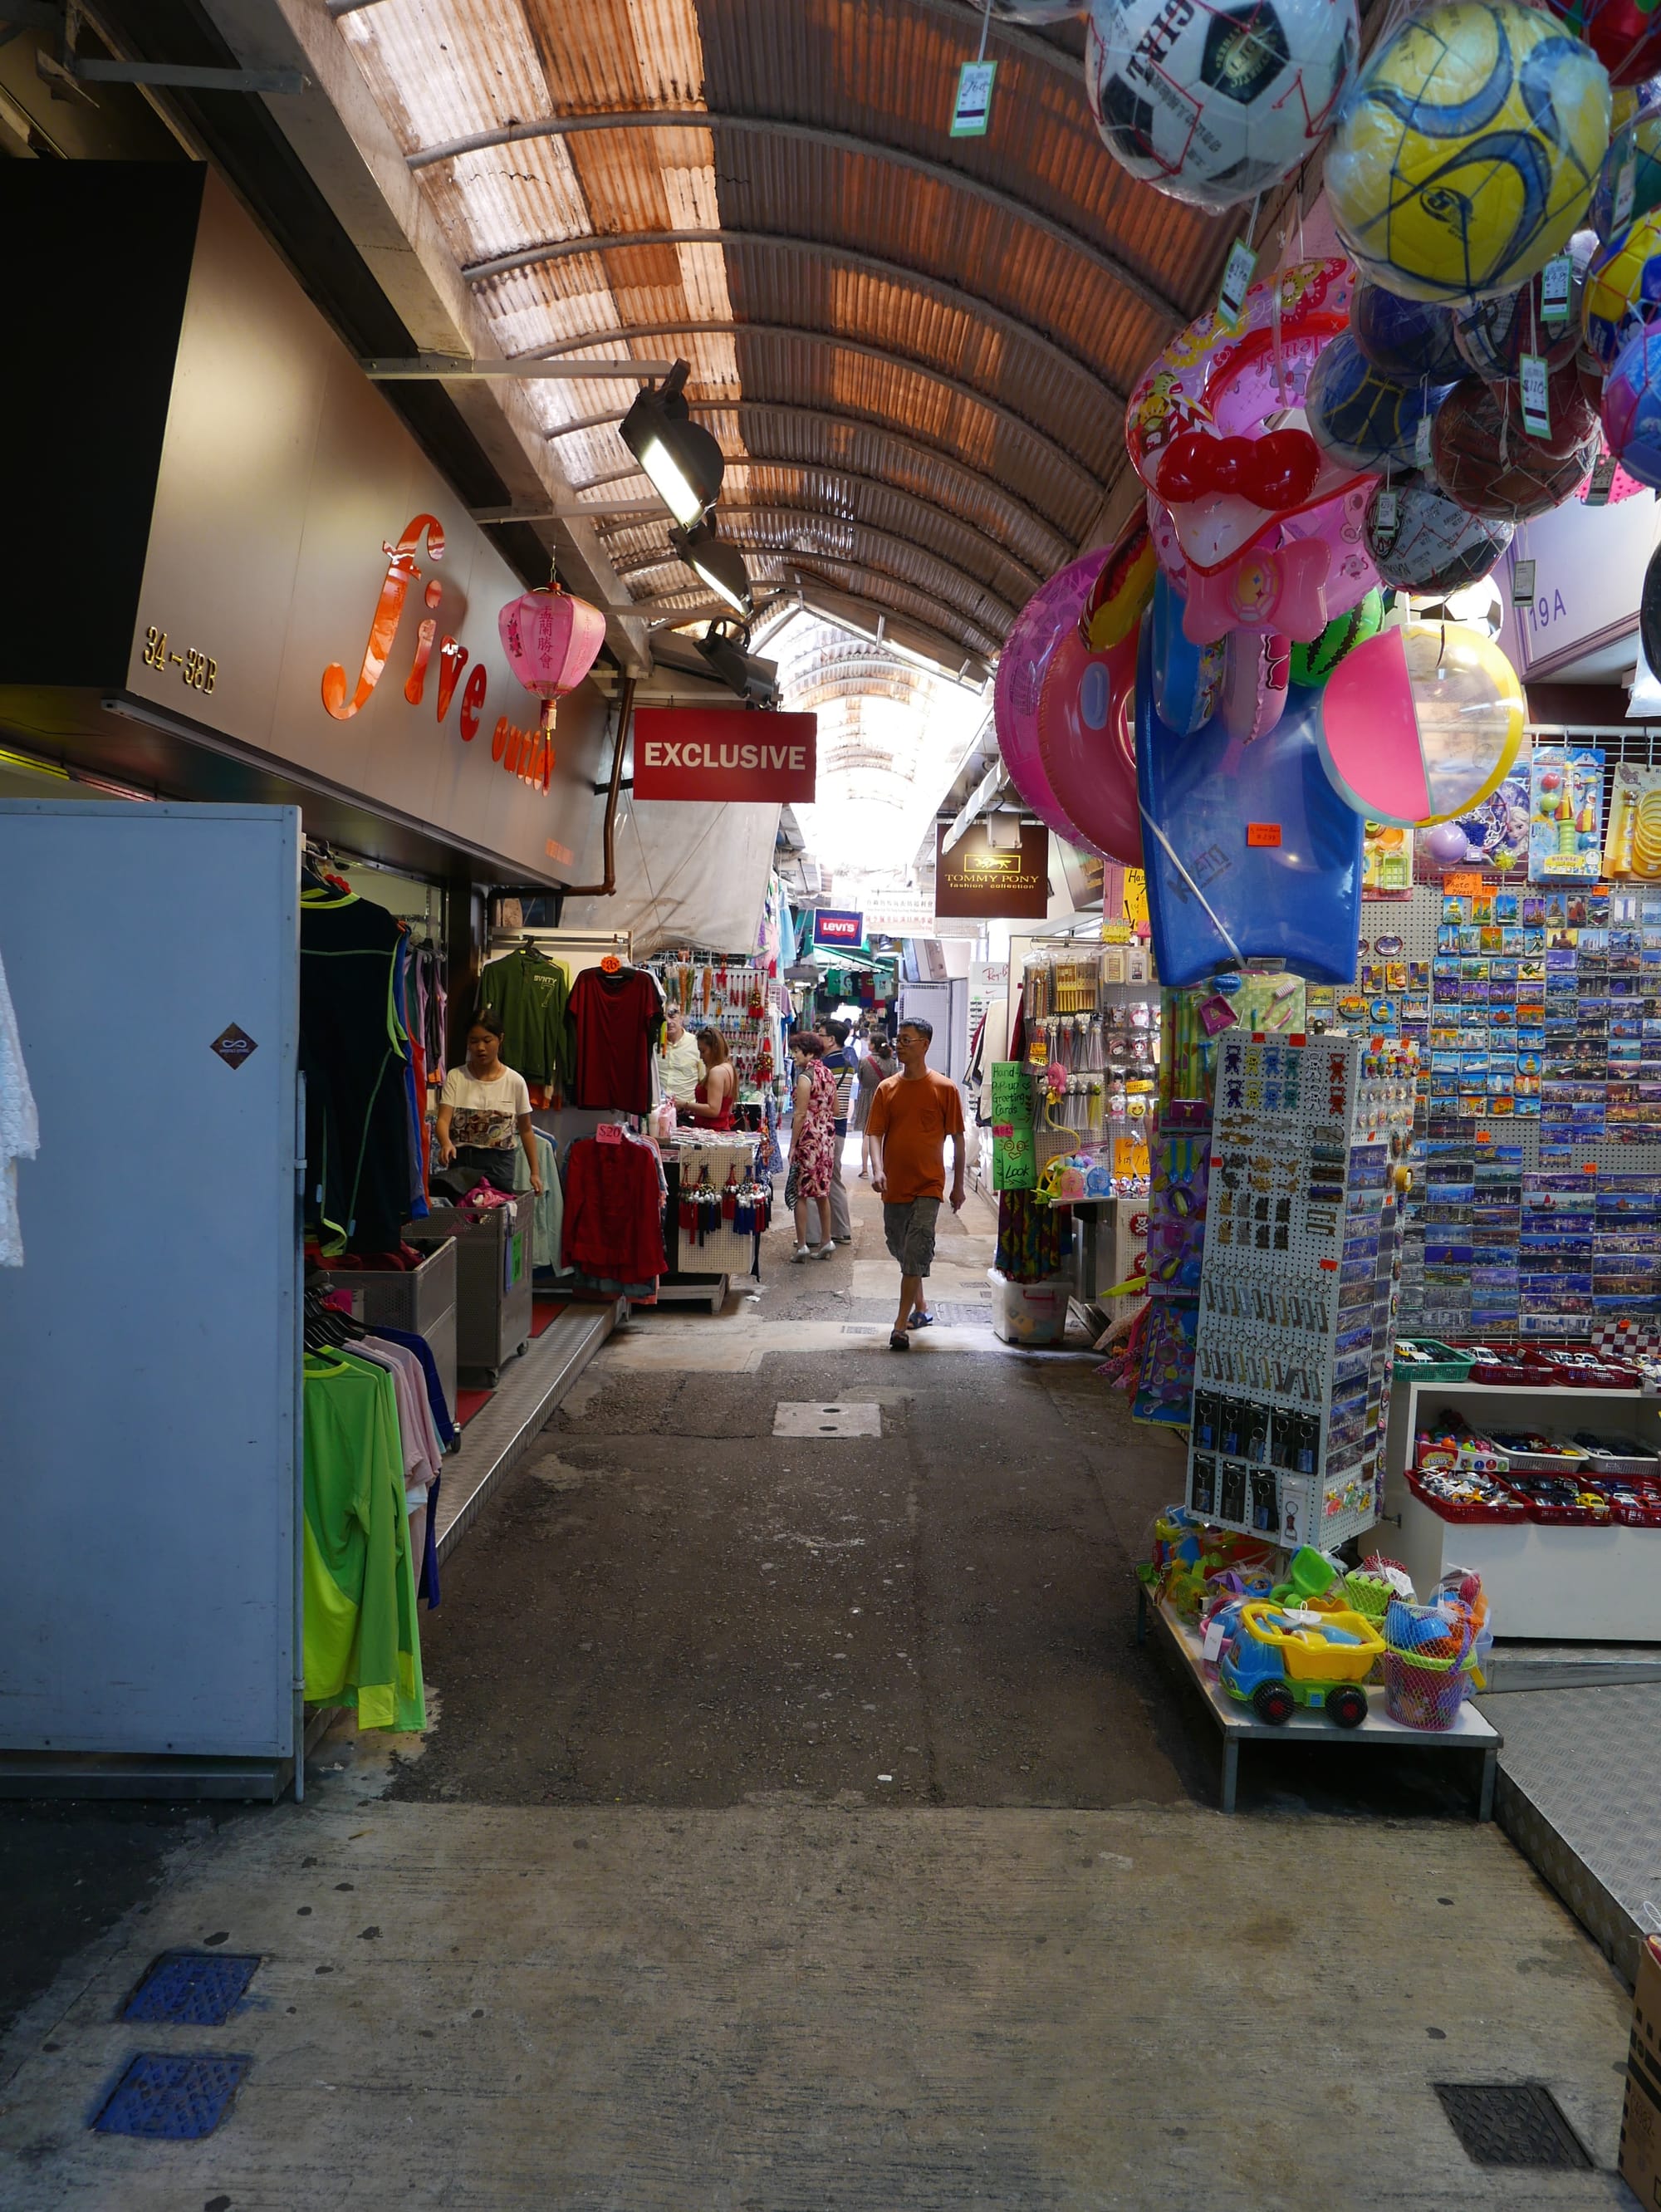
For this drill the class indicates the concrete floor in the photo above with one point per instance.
(799, 1826)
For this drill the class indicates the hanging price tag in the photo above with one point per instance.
(1522, 584)
(1603, 481)
(1554, 289)
(1537, 401)
(972, 111)
(1625, 186)
(1238, 272)
(1421, 443)
(1386, 518)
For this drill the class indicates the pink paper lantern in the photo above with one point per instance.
(551, 640)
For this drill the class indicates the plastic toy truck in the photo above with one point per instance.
(1278, 1660)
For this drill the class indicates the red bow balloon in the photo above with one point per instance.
(1277, 472)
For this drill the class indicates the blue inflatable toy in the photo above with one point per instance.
(1250, 852)
(1187, 677)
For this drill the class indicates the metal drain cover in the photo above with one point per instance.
(1510, 2123)
(793, 1419)
(192, 1989)
(173, 2099)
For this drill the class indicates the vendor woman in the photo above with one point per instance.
(718, 1094)
(484, 1110)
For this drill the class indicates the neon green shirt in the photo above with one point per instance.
(360, 1644)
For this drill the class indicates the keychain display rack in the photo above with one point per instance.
(1296, 1325)
(735, 997)
(714, 1215)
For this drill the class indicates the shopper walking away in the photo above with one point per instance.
(812, 1144)
(912, 1115)
(679, 1064)
(842, 1062)
(876, 1063)
(484, 1110)
(717, 1095)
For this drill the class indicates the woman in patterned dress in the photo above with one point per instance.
(812, 1143)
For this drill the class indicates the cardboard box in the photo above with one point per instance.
(1640, 2122)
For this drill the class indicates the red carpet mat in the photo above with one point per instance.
(469, 1402)
(545, 1311)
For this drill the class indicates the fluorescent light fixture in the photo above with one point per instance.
(721, 566)
(682, 459)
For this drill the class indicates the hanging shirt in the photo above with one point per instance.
(485, 1116)
(613, 1224)
(362, 1646)
(352, 1052)
(19, 1127)
(531, 995)
(616, 1019)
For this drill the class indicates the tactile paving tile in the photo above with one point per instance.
(1510, 2123)
(171, 2098)
(192, 1989)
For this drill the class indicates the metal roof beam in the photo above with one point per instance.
(862, 347)
(929, 455)
(776, 128)
(727, 509)
(829, 601)
(874, 265)
(600, 511)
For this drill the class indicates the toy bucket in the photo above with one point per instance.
(1423, 1692)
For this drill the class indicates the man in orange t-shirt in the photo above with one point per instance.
(912, 1115)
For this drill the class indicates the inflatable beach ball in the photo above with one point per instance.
(1360, 416)
(1312, 663)
(1212, 104)
(1467, 154)
(1412, 340)
(1421, 723)
(1622, 286)
(1432, 544)
(1486, 462)
(1631, 406)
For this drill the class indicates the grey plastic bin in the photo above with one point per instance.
(421, 1300)
(493, 1282)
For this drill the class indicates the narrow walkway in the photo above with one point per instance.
(800, 1827)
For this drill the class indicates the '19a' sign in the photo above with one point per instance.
(718, 754)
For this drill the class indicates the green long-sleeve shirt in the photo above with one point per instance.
(531, 996)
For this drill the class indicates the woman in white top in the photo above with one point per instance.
(484, 1110)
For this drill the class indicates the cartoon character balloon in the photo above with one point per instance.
(1021, 666)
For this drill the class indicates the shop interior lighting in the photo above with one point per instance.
(682, 459)
(721, 566)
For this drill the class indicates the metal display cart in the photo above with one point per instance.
(493, 1282)
(421, 1300)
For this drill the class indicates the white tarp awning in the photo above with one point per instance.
(686, 875)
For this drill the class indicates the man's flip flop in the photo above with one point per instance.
(921, 1320)
(898, 1340)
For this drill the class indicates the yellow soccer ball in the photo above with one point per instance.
(1469, 151)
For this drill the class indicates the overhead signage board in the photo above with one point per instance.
(314, 593)
(977, 881)
(900, 913)
(717, 755)
(840, 933)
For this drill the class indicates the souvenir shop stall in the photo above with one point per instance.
(740, 999)
(1434, 1111)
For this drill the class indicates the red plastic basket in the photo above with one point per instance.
(1489, 1516)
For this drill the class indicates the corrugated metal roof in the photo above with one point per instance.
(911, 348)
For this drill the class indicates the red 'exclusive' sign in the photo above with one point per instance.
(716, 754)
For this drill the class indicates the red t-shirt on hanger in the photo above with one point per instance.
(616, 1019)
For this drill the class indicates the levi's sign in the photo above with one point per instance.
(718, 754)
(842, 928)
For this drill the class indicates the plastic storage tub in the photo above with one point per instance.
(1030, 1315)
(421, 1300)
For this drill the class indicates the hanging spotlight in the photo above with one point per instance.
(721, 566)
(683, 461)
